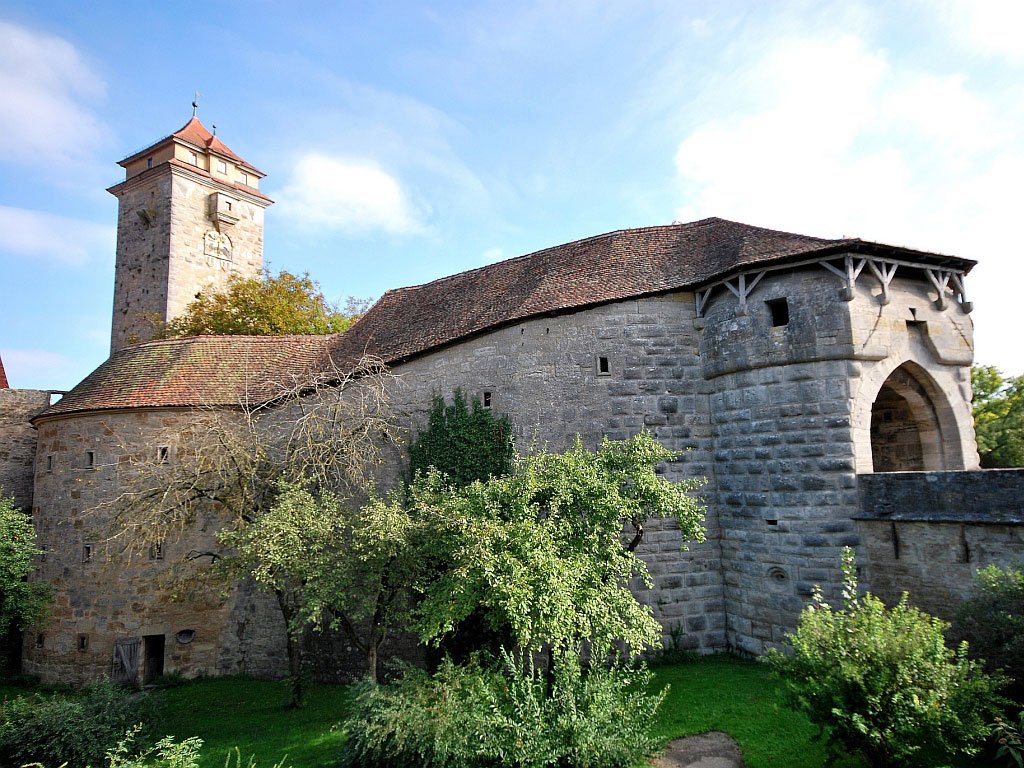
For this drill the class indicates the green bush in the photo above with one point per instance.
(993, 621)
(473, 717)
(166, 753)
(882, 683)
(76, 730)
(1009, 739)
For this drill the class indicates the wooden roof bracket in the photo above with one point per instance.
(849, 274)
(958, 283)
(743, 289)
(885, 272)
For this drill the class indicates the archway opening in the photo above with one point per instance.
(905, 430)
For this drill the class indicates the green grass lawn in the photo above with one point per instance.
(739, 697)
(252, 715)
(714, 693)
(717, 693)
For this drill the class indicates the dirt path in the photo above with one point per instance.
(708, 750)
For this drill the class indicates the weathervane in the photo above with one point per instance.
(195, 104)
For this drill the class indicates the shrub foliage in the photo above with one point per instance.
(22, 602)
(76, 730)
(474, 717)
(882, 683)
(993, 620)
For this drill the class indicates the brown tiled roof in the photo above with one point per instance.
(619, 265)
(218, 370)
(3, 376)
(197, 371)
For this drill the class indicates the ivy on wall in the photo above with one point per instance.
(465, 442)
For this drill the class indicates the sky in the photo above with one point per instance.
(405, 141)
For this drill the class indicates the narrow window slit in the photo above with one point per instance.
(779, 309)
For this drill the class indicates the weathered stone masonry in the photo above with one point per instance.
(18, 441)
(821, 388)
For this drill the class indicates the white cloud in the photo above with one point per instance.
(48, 92)
(991, 27)
(826, 135)
(353, 195)
(40, 235)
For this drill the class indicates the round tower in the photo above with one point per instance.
(190, 214)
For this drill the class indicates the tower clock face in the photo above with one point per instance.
(217, 244)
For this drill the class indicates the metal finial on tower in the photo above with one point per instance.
(214, 129)
(195, 104)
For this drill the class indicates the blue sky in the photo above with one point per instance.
(463, 133)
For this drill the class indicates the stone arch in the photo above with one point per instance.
(913, 427)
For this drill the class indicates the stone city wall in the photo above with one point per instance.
(928, 533)
(791, 412)
(103, 596)
(611, 370)
(18, 442)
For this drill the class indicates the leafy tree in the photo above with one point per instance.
(541, 550)
(263, 306)
(464, 443)
(21, 602)
(330, 562)
(882, 683)
(274, 476)
(998, 417)
(541, 554)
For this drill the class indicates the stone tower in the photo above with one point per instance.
(190, 214)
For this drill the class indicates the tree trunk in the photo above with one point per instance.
(371, 663)
(295, 645)
(295, 671)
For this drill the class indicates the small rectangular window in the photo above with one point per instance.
(779, 309)
(49, 463)
(603, 368)
(156, 551)
(40, 640)
(162, 454)
(149, 162)
(90, 459)
(222, 166)
(243, 178)
(87, 551)
(83, 642)
(193, 158)
(487, 399)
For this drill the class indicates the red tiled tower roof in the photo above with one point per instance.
(195, 133)
(3, 376)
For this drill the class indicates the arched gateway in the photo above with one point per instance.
(913, 427)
